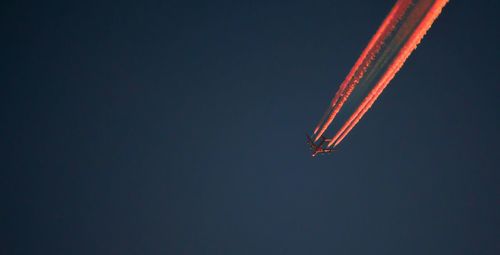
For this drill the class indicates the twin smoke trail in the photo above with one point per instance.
(392, 44)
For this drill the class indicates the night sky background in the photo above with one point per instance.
(179, 128)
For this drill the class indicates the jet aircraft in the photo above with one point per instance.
(318, 148)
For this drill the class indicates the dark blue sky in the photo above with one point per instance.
(178, 128)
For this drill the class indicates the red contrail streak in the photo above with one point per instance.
(399, 34)
(362, 64)
(394, 67)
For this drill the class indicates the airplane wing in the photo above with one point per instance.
(326, 139)
(310, 142)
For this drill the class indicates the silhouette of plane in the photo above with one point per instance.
(318, 148)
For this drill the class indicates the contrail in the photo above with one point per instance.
(394, 67)
(385, 54)
(361, 65)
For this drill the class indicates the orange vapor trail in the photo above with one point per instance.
(400, 38)
(393, 68)
(359, 68)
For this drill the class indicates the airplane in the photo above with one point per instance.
(317, 148)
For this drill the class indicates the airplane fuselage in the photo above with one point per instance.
(318, 148)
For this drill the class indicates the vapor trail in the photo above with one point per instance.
(361, 65)
(393, 68)
(397, 37)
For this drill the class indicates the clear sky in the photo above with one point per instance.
(178, 127)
